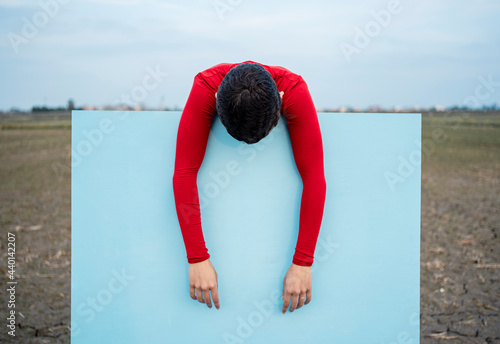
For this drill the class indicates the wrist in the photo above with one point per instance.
(198, 261)
(300, 262)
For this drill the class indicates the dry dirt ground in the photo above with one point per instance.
(460, 249)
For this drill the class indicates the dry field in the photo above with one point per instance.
(460, 257)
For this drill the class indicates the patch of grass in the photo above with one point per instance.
(463, 144)
(32, 121)
(36, 126)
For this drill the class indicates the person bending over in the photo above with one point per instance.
(249, 98)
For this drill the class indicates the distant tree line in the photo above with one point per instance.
(48, 109)
(70, 107)
(484, 108)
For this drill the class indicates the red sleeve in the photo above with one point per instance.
(192, 136)
(307, 146)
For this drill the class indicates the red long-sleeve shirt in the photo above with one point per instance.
(305, 136)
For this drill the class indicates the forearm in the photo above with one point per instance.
(311, 214)
(188, 212)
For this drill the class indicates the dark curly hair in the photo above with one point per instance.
(248, 102)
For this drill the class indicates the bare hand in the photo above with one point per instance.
(202, 282)
(297, 284)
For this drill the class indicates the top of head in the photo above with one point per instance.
(248, 102)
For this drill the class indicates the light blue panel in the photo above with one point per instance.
(129, 268)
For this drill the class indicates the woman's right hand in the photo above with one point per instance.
(203, 282)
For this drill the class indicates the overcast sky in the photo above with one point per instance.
(356, 53)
